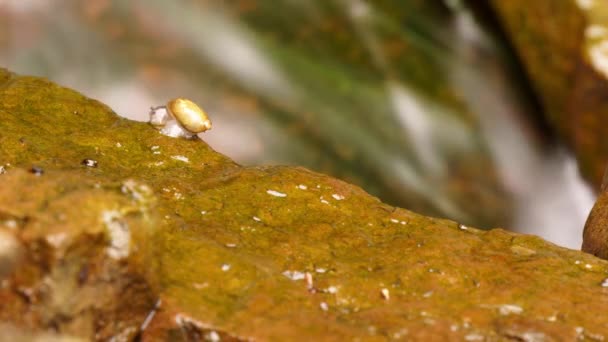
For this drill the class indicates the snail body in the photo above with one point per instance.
(180, 117)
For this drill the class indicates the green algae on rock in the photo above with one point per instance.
(564, 48)
(168, 240)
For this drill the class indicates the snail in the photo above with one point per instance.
(595, 235)
(180, 117)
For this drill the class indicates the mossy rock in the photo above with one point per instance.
(165, 239)
(564, 48)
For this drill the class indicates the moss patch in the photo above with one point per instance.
(263, 252)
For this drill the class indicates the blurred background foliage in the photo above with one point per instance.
(421, 103)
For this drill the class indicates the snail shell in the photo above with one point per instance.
(189, 115)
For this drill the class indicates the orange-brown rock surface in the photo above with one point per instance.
(165, 239)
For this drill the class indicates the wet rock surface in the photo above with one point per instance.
(564, 48)
(165, 239)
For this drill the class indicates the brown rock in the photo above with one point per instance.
(186, 245)
(595, 235)
(562, 45)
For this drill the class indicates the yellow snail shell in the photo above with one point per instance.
(189, 115)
